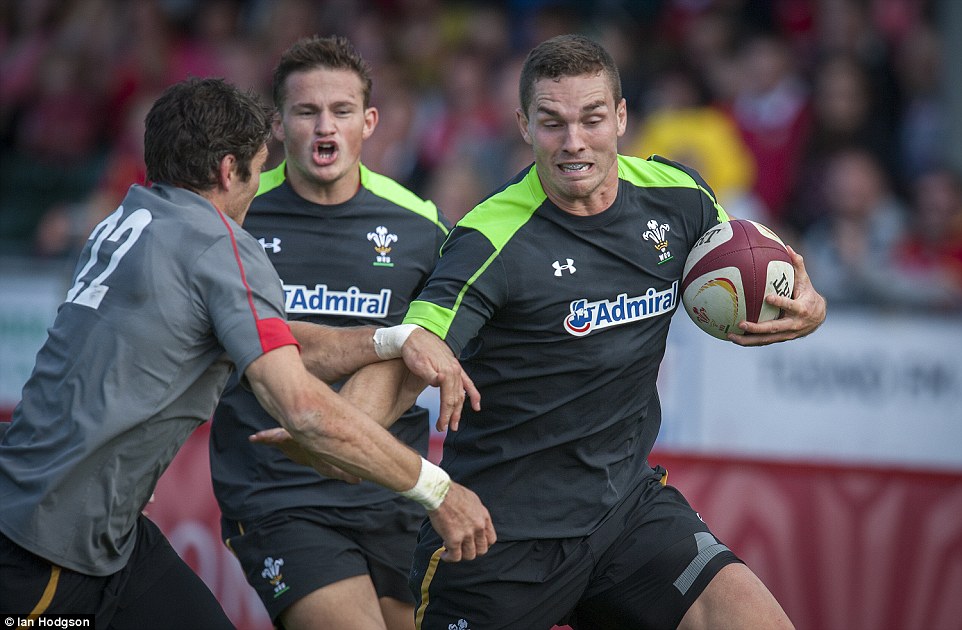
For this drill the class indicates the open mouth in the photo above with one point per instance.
(574, 167)
(325, 152)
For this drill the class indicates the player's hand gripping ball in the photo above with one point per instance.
(729, 271)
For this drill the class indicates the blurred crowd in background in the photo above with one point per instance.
(822, 119)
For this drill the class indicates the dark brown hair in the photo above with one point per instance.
(332, 53)
(194, 124)
(566, 56)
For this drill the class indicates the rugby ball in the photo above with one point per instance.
(728, 273)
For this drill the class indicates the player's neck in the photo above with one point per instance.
(596, 203)
(330, 193)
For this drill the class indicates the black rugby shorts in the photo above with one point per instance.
(292, 553)
(642, 567)
(156, 590)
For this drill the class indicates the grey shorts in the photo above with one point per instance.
(642, 567)
(291, 553)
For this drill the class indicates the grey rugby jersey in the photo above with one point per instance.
(356, 263)
(168, 295)
(561, 321)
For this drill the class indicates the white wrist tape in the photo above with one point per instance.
(432, 486)
(388, 341)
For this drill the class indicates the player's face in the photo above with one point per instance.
(323, 124)
(573, 125)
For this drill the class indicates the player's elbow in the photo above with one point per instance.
(316, 424)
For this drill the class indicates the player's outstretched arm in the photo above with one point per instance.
(461, 520)
(322, 429)
(801, 314)
(326, 426)
(278, 437)
(332, 353)
(383, 390)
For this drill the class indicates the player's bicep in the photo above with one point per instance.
(279, 380)
(243, 300)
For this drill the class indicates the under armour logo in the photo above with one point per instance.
(558, 267)
(274, 246)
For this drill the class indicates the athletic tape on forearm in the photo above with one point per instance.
(388, 341)
(432, 486)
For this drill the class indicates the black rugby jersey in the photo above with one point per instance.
(356, 263)
(561, 321)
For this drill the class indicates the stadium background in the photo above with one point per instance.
(833, 465)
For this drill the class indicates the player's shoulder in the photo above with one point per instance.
(659, 171)
(189, 227)
(386, 188)
(655, 170)
(500, 215)
(276, 198)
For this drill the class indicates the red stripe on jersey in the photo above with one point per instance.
(274, 333)
(270, 333)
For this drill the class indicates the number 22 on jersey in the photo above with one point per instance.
(90, 292)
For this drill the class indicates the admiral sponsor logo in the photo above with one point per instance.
(322, 301)
(587, 316)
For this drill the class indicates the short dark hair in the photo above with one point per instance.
(194, 124)
(331, 53)
(566, 56)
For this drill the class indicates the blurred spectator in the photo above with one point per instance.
(392, 150)
(618, 34)
(802, 81)
(681, 125)
(462, 115)
(455, 187)
(923, 123)
(151, 55)
(29, 30)
(65, 92)
(849, 28)
(538, 20)
(707, 41)
(276, 24)
(771, 110)
(929, 257)
(366, 30)
(842, 116)
(55, 114)
(64, 227)
(416, 32)
(851, 249)
(796, 20)
(505, 153)
(846, 26)
(215, 32)
(483, 28)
